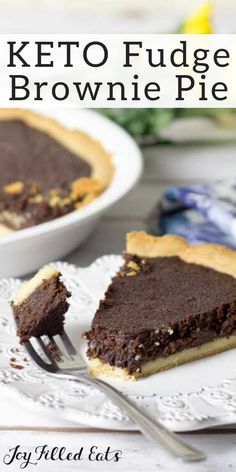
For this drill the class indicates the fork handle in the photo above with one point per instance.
(153, 429)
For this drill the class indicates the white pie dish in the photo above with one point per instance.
(26, 250)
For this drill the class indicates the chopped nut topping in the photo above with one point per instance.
(86, 200)
(13, 219)
(170, 331)
(137, 357)
(16, 187)
(85, 185)
(65, 201)
(36, 199)
(58, 201)
(132, 273)
(54, 201)
(131, 269)
(35, 189)
(55, 192)
(133, 265)
(157, 343)
(157, 331)
(140, 345)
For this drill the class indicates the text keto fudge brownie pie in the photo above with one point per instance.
(169, 304)
(47, 170)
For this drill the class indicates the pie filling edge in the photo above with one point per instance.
(216, 257)
(98, 367)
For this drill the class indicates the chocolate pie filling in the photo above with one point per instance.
(156, 307)
(31, 155)
(43, 311)
(40, 163)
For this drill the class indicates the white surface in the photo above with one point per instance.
(190, 397)
(109, 16)
(28, 249)
(138, 454)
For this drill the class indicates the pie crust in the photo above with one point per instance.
(219, 258)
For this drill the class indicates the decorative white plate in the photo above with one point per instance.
(190, 397)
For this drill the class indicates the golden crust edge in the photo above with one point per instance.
(98, 367)
(214, 256)
(78, 142)
(28, 288)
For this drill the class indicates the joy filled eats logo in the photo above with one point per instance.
(24, 458)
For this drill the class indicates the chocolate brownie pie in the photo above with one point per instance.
(47, 170)
(40, 305)
(169, 304)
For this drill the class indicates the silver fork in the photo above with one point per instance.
(69, 364)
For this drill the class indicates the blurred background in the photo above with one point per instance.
(107, 16)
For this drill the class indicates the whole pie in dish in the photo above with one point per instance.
(169, 304)
(47, 170)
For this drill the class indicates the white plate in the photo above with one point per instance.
(190, 397)
(26, 250)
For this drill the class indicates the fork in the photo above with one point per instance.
(69, 364)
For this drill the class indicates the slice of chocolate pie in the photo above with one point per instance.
(47, 170)
(170, 303)
(40, 305)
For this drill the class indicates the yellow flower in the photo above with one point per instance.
(200, 21)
